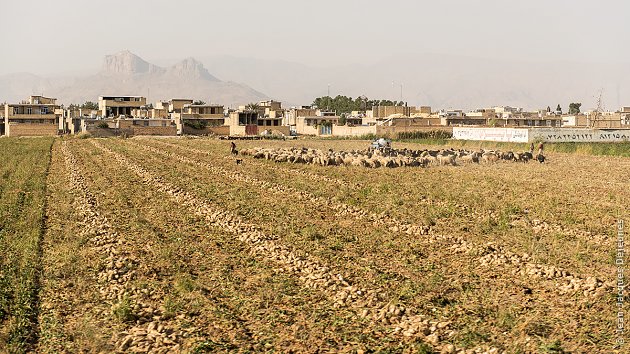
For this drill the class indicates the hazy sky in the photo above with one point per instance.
(66, 36)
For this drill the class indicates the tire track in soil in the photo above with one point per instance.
(368, 303)
(118, 269)
(490, 254)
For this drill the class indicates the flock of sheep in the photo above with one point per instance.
(375, 158)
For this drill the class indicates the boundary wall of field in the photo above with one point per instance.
(527, 135)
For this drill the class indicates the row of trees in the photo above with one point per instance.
(345, 104)
(574, 108)
(86, 105)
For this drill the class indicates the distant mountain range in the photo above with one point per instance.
(440, 81)
(127, 74)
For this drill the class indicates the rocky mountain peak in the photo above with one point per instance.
(127, 63)
(190, 68)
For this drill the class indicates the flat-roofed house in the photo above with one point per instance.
(605, 119)
(295, 112)
(534, 119)
(2, 121)
(316, 125)
(202, 119)
(250, 122)
(115, 106)
(244, 122)
(175, 105)
(38, 116)
(625, 116)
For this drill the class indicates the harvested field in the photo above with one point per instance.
(168, 245)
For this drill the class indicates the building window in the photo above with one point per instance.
(44, 110)
(29, 110)
(548, 122)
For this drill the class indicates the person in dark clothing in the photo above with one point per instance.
(233, 148)
(531, 149)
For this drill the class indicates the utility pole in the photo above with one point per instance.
(328, 100)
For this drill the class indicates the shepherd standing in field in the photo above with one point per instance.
(540, 148)
(232, 148)
(531, 149)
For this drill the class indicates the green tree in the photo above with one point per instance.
(342, 119)
(252, 106)
(89, 105)
(344, 104)
(574, 108)
(199, 102)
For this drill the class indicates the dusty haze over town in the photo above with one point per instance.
(446, 54)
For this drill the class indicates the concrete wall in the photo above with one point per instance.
(516, 135)
(130, 131)
(104, 132)
(304, 129)
(166, 131)
(416, 121)
(220, 130)
(524, 135)
(394, 130)
(386, 111)
(31, 129)
(579, 135)
(344, 130)
(237, 130)
(273, 129)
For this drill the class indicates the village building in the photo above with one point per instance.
(115, 106)
(160, 110)
(74, 119)
(596, 119)
(244, 122)
(378, 114)
(319, 124)
(37, 116)
(625, 116)
(534, 119)
(250, 122)
(386, 111)
(270, 107)
(295, 112)
(176, 105)
(2, 121)
(201, 119)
